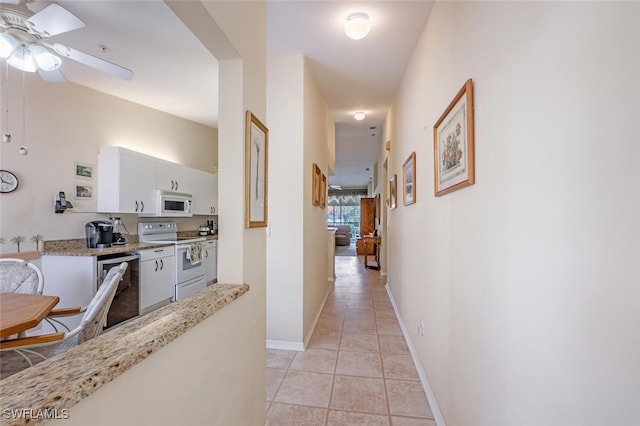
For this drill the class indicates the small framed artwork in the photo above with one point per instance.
(453, 144)
(255, 169)
(375, 176)
(83, 170)
(84, 192)
(316, 176)
(409, 180)
(323, 192)
(393, 192)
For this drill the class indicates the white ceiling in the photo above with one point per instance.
(175, 73)
(355, 75)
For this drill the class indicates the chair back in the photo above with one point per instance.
(96, 314)
(20, 276)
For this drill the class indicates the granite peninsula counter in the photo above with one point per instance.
(56, 384)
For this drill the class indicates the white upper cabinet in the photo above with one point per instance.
(126, 182)
(205, 194)
(173, 177)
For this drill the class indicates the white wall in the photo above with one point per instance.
(285, 252)
(528, 282)
(201, 378)
(66, 123)
(315, 237)
(297, 257)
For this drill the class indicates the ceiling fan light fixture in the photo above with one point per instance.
(7, 45)
(359, 115)
(46, 61)
(22, 59)
(357, 25)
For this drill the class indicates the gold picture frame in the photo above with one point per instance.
(393, 192)
(409, 180)
(323, 191)
(316, 181)
(256, 173)
(453, 144)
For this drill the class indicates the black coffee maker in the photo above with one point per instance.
(99, 233)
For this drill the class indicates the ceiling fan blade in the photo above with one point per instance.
(55, 19)
(94, 62)
(54, 76)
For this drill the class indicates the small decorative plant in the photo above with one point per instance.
(37, 239)
(17, 240)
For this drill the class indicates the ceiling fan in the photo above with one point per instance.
(25, 41)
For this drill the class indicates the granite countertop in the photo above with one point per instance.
(62, 381)
(78, 247)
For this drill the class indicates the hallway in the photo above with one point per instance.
(357, 369)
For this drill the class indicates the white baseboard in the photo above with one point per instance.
(433, 404)
(307, 338)
(299, 346)
(285, 345)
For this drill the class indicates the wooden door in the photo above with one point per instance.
(367, 223)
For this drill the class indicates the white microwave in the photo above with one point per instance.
(172, 204)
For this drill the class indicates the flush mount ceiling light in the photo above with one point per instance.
(359, 115)
(357, 25)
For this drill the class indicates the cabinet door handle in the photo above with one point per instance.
(172, 184)
(156, 265)
(206, 254)
(141, 206)
(176, 185)
(161, 264)
(136, 206)
(213, 209)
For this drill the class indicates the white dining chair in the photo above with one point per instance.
(20, 276)
(91, 325)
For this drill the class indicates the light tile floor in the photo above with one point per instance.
(357, 369)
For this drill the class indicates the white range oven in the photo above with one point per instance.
(190, 272)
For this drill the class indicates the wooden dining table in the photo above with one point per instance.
(20, 312)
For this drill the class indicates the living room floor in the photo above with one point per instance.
(349, 250)
(357, 369)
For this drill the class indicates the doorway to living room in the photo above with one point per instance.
(343, 213)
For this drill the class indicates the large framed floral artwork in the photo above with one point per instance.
(453, 144)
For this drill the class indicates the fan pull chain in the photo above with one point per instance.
(24, 114)
(6, 136)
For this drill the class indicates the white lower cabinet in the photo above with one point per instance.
(210, 260)
(73, 280)
(157, 270)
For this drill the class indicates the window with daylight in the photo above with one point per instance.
(343, 208)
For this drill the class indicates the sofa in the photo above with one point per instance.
(343, 235)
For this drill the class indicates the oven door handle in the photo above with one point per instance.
(184, 246)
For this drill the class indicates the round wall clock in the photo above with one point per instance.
(8, 181)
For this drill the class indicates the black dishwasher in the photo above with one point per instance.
(125, 303)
